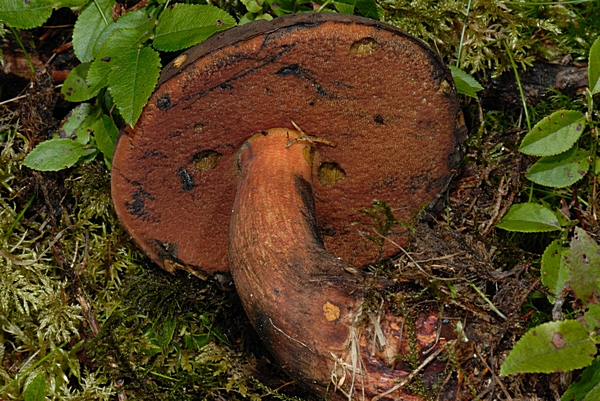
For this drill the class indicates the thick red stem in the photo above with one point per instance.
(306, 304)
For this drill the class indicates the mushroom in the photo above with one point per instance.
(256, 154)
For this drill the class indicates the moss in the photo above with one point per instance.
(531, 31)
(81, 304)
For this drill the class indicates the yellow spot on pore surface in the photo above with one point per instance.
(331, 311)
(363, 47)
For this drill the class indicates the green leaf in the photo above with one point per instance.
(465, 83)
(36, 390)
(185, 25)
(584, 276)
(529, 218)
(91, 23)
(588, 386)
(561, 170)
(252, 6)
(366, 8)
(132, 80)
(554, 134)
(551, 347)
(54, 154)
(25, 14)
(75, 87)
(130, 31)
(279, 8)
(69, 126)
(97, 77)
(196, 341)
(343, 8)
(106, 132)
(594, 67)
(554, 272)
(591, 320)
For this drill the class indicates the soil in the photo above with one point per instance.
(450, 251)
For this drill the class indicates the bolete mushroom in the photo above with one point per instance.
(256, 154)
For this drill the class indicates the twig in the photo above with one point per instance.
(416, 262)
(414, 372)
(496, 378)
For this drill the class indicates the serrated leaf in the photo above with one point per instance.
(130, 31)
(551, 347)
(591, 320)
(132, 80)
(75, 87)
(25, 14)
(106, 132)
(36, 390)
(554, 134)
(584, 276)
(594, 67)
(343, 8)
(588, 386)
(529, 218)
(91, 23)
(465, 83)
(54, 154)
(84, 131)
(70, 124)
(186, 25)
(561, 170)
(97, 77)
(554, 272)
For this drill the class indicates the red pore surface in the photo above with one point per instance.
(381, 95)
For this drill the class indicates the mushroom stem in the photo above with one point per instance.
(305, 303)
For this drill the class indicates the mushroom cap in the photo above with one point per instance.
(383, 96)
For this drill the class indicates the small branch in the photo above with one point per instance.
(414, 372)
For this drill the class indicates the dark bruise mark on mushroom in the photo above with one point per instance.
(295, 70)
(378, 118)
(187, 181)
(304, 74)
(136, 206)
(167, 250)
(154, 154)
(304, 189)
(164, 102)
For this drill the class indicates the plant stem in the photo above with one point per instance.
(19, 217)
(462, 35)
(14, 32)
(35, 365)
(514, 66)
(100, 11)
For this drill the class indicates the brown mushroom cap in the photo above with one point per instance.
(381, 95)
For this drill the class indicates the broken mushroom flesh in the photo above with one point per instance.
(387, 103)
